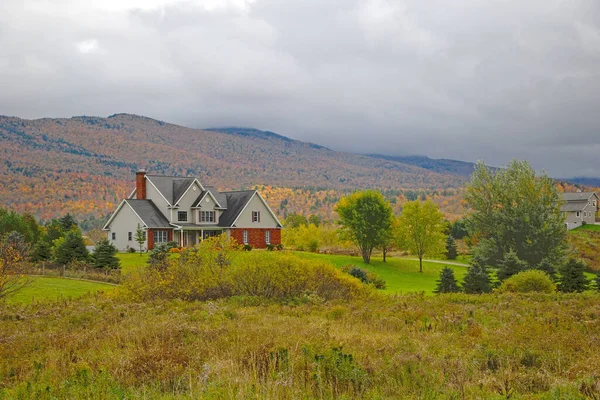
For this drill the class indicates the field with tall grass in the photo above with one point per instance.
(379, 347)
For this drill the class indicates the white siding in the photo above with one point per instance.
(186, 203)
(124, 222)
(266, 219)
(157, 198)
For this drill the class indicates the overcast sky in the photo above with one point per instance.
(463, 79)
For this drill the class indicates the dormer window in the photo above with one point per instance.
(182, 216)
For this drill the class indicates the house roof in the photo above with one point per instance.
(574, 206)
(236, 201)
(220, 198)
(577, 196)
(149, 213)
(172, 187)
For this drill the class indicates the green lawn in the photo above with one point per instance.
(400, 274)
(130, 261)
(46, 288)
(587, 227)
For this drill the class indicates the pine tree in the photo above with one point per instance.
(510, 265)
(547, 267)
(42, 251)
(477, 279)
(447, 282)
(68, 222)
(597, 280)
(140, 237)
(572, 278)
(105, 255)
(451, 251)
(72, 248)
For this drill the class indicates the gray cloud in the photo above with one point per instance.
(459, 79)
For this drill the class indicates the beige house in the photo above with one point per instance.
(181, 209)
(580, 208)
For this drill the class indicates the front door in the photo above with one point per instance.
(186, 238)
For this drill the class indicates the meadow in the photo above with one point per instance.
(44, 289)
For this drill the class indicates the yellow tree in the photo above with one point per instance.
(12, 253)
(420, 229)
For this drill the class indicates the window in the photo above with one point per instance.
(207, 216)
(129, 236)
(594, 203)
(585, 214)
(160, 237)
(181, 216)
(268, 237)
(255, 216)
(245, 237)
(578, 214)
(114, 236)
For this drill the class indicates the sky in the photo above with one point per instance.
(472, 80)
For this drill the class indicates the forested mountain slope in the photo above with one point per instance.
(85, 165)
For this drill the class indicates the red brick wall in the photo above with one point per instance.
(256, 236)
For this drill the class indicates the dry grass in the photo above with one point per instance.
(455, 346)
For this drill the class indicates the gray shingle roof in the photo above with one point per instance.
(236, 201)
(172, 187)
(149, 213)
(576, 196)
(574, 206)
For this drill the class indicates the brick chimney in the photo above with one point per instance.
(140, 184)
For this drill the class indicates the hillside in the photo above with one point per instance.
(442, 166)
(85, 165)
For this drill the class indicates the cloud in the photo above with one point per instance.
(456, 78)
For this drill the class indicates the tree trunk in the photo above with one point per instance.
(420, 263)
(366, 255)
(384, 253)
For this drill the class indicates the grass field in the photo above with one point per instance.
(50, 289)
(588, 227)
(400, 274)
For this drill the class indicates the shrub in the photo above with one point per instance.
(364, 276)
(528, 281)
(270, 247)
(131, 250)
(280, 246)
(247, 247)
(313, 245)
(359, 274)
(217, 269)
(172, 244)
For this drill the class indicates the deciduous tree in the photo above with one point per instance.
(13, 251)
(140, 237)
(366, 218)
(515, 210)
(420, 229)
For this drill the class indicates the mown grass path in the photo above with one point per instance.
(54, 288)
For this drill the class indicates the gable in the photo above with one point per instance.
(267, 218)
(189, 197)
(123, 215)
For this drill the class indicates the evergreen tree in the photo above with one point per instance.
(447, 282)
(68, 222)
(477, 279)
(159, 257)
(597, 281)
(42, 251)
(547, 267)
(140, 237)
(510, 265)
(451, 250)
(54, 231)
(572, 278)
(71, 248)
(105, 255)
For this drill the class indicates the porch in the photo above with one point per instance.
(191, 236)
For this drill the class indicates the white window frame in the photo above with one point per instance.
(207, 216)
(255, 216)
(578, 214)
(245, 237)
(181, 213)
(161, 236)
(268, 237)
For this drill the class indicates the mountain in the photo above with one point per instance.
(85, 165)
(442, 166)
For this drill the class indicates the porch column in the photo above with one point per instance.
(201, 238)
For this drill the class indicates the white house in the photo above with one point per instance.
(181, 209)
(580, 208)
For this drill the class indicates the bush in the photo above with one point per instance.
(131, 250)
(359, 274)
(247, 247)
(364, 276)
(528, 281)
(270, 247)
(217, 269)
(172, 244)
(280, 246)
